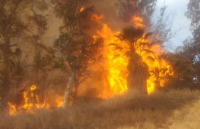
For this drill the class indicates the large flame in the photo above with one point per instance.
(117, 61)
(116, 67)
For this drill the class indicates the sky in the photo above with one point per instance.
(179, 7)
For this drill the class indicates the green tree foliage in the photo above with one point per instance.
(183, 69)
(193, 13)
(192, 46)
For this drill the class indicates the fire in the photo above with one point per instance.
(33, 87)
(12, 109)
(114, 66)
(59, 103)
(82, 9)
(97, 18)
(137, 22)
(115, 63)
(116, 60)
(29, 101)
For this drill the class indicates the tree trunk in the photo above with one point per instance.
(138, 74)
(68, 90)
(75, 91)
(46, 94)
(5, 80)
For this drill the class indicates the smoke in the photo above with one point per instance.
(110, 13)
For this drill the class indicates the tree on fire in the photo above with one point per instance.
(77, 47)
(137, 69)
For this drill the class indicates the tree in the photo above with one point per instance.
(182, 66)
(77, 47)
(193, 45)
(14, 28)
(137, 69)
(193, 14)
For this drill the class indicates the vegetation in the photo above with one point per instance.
(103, 68)
(160, 110)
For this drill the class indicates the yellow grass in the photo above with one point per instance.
(161, 110)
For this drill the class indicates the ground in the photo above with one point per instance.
(174, 109)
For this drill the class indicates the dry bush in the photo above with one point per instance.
(129, 111)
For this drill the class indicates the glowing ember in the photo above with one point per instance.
(81, 10)
(33, 87)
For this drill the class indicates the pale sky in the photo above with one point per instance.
(179, 7)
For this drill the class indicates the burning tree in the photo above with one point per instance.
(133, 54)
(138, 70)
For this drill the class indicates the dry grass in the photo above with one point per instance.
(186, 118)
(161, 110)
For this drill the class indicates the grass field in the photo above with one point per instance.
(161, 110)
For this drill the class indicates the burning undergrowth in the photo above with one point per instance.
(27, 100)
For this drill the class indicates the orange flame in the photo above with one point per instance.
(33, 87)
(82, 9)
(116, 66)
(137, 22)
(29, 102)
(117, 61)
